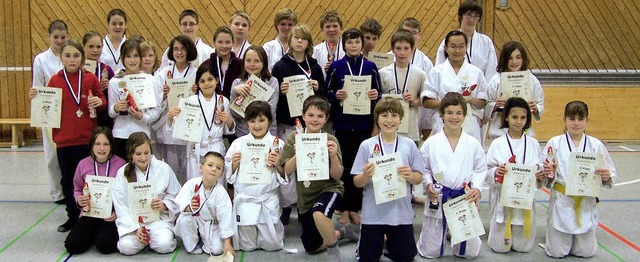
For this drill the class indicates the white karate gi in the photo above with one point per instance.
(499, 154)
(480, 53)
(111, 54)
(564, 235)
(214, 221)
(390, 77)
(443, 79)
(321, 53)
(275, 51)
(195, 151)
(243, 49)
(204, 53)
(45, 65)
(125, 125)
(161, 231)
(256, 206)
(466, 164)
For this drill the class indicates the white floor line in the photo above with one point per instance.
(626, 148)
(627, 183)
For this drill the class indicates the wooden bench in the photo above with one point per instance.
(17, 125)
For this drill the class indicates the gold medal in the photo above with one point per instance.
(79, 113)
(306, 184)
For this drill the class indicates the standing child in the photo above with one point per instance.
(254, 61)
(90, 230)
(284, 21)
(329, 50)
(92, 42)
(45, 65)
(143, 166)
(128, 120)
(215, 113)
(573, 220)
(256, 206)
(76, 122)
(459, 159)
(317, 200)
(182, 53)
(205, 222)
(117, 25)
(513, 58)
(226, 65)
(372, 30)
(150, 61)
(189, 25)
(351, 130)
(513, 147)
(239, 23)
(393, 219)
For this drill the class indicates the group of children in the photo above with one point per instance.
(199, 195)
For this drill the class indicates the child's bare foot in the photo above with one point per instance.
(344, 217)
(355, 217)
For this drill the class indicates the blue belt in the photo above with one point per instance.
(448, 193)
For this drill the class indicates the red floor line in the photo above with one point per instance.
(609, 231)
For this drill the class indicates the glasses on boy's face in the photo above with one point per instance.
(188, 24)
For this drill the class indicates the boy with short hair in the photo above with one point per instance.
(330, 49)
(188, 21)
(372, 30)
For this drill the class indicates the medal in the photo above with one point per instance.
(79, 95)
(210, 138)
(306, 184)
(79, 113)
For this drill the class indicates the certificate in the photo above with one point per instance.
(140, 196)
(299, 90)
(381, 59)
(357, 102)
(46, 107)
(260, 91)
(90, 65)
(312, 157)
(463, 219)
(518, 186)
(516, 84)
(582, 180)
(404, 124)
(179, 88)
(387, 184)
(141, 88)
(188, 125)
(253, 163)
(100, 201)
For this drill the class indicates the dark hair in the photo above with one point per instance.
(204, 68)
(402, 35)
(58, 25)
(469, 6)
(135, 140)
(258, 108)
(319, 101)
(114, 12)
(451, 34)
(212, 154)
(137, 38)
(515, 102)
(505, 54)
(91, 34)
(129, 46)
(387, 105)
(101, 130)
(223, 29)
(189, 12)
(76, 45)
(330, 16)
(452, 99)
(576, 108)
(262, 54)
(192, 52)
(371, 26)
(351, 33)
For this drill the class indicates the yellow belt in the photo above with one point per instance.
(577, 199)
(527, 226)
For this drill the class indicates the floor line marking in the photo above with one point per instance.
(611, 232)
(28, 229)
(175, 254)
(61, 256)
(626, 183)
(626, 148)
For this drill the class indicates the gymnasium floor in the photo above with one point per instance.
(28, 230)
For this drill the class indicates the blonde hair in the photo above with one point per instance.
(303, 32)
(286, 13)
(240, 14)
(147, 46)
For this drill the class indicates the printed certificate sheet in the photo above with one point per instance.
(140, 196)
(408, 116)
(179, 88)
(387, 184)
(259, 91)
(253, 167)
(100, 200)
(90, 65)
(299, 90)
(463, 219)
(312, 157)
(516, 84)
(518, 187)
(582, 180)
(188, 125)
(46, 107)
(357, 101)
(381, 59)
(140, 86)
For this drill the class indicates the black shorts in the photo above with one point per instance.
(325, 203)
(401, 243)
